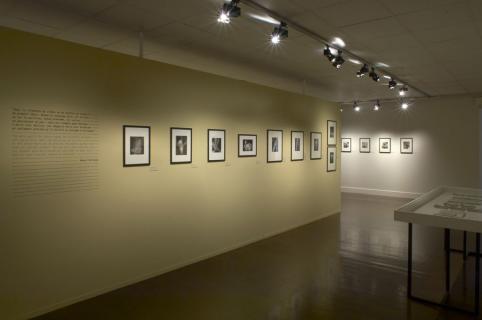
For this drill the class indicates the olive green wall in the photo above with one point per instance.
(57, 249)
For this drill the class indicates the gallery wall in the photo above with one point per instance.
(76, 223)
(445, 134)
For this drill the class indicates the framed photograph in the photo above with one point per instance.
(331, 132)
(331, 159)
(315, 145)
(364, 146)
(345, 144)
(385, 145)
(137, 146)
(406, 145)
(297, 144)
(247, 146)
(181, 145)
(275, 145)
(216, 145)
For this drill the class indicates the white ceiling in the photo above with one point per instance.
(435, 45)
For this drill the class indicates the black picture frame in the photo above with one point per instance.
(328, 158)
(224, 145)
(268, 145)
(369, 145)
(380, 148)
(342, 148)
(328, 133)
(320, 146)
(302, 145)
(170, 145)
(239, 145)
(124, 127)
(411, 144)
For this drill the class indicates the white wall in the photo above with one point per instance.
(446, 147)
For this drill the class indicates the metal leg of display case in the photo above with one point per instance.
(447, 250)
(409, 267)
(464, 251)
(447, 260)
(477, 274)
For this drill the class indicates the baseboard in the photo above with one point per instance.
(99, 292)
(378, 192)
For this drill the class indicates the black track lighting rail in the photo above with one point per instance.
(309, 33)
(384, 101)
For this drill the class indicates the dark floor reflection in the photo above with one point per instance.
(348, 266)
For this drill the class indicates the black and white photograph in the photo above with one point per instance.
(331, 132)
(406, 145)
(315, 145)
(137, 149)
(364, 145)
(331, 161)
(275, 145)
(385, 145)
(247, 145)
(137, 145)
(297, 144)
(345, 144)
(181, 145)
(216, 145)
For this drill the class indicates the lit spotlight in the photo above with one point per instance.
(403, 91)
(363, 71)
(376, 106)
(228, 11)
(356, 107)
(338, 61)
(374, 75)
(392, 84)
(280, 32)
(404, 105)
(328, 54)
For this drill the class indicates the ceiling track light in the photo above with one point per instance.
(328, 54)
(376, 106)
(279, 33)
(363, 71)
(338, 61)
(374, 75)
(356, 106)
(392, 84)
(404, 105)
(228, 11)
(403, 91)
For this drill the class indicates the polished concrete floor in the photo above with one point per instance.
(347, 266)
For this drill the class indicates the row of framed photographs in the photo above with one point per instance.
(384, 145)
(137, 150)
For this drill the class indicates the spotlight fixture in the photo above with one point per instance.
(376, 106)
(392, 84)
(404, 105)
(356, 107)
(403, 91)
(374, 75)
(328, 54)
(363, 71)
(228, 11)
(279, 33)
(338, 61)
